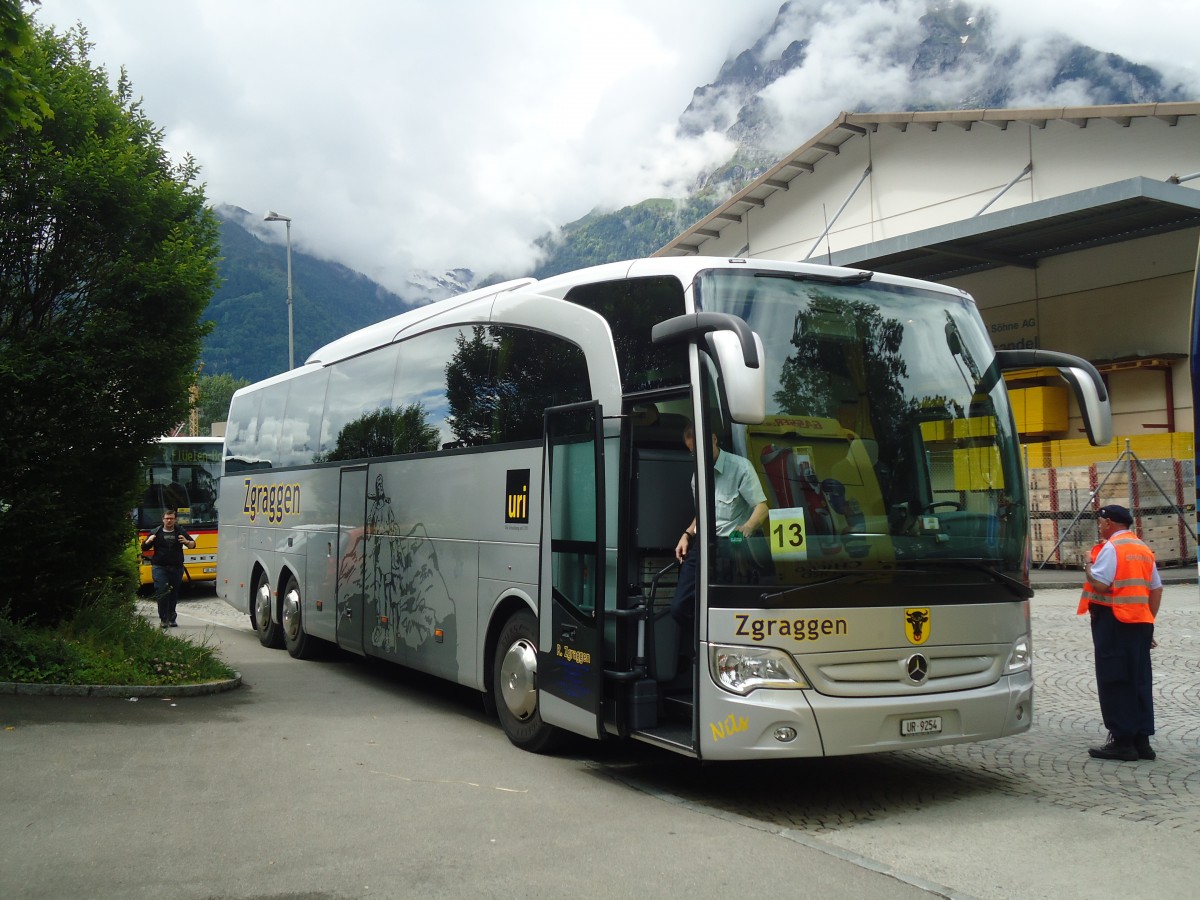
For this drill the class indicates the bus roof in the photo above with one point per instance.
(684, 268)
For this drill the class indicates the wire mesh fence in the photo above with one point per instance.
(1159, 493)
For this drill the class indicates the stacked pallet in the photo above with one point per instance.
(1160, 493)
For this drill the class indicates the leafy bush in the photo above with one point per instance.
(105, 642)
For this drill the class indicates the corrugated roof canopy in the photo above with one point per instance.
(1019, 236)
(1025, 234)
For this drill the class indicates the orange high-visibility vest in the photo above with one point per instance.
(1129, 594)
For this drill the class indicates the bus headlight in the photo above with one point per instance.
(745, 669)
(1020, 657)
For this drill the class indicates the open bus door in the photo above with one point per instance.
(571, 597)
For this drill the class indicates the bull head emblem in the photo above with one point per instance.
(916, 625)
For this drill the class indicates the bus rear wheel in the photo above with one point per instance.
(514, 686)
(297, 641)
(270, 634)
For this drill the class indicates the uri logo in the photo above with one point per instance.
(516, 497)
(916, 625)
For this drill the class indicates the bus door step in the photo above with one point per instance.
(678, 704)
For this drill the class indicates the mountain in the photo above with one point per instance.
(766, 101)
(951, 58)
(249, 309)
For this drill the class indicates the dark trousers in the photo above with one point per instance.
(167, 580)
(683, 603)
(1124, 679)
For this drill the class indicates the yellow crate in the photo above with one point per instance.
(1150, 446)
(979, 426)
(1078, 452)
(978, 469)
(1037, 456)
(1040, 410)
(932, 432)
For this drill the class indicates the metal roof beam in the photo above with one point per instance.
(982, 256)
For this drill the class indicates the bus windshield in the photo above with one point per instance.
(888, 442)
(182, 474)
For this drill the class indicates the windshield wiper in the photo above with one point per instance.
(855, 277)
(839, 576)
(920, 566)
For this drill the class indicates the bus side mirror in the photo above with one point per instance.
(739, 354)
(1085, 381)
(1097, 414)
(745, 387)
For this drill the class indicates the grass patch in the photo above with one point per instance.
(106, 642)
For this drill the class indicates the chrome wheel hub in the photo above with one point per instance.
(262, 606)
(518, 679)
(291, 614)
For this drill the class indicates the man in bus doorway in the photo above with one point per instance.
(167, 541)
(741, 509)
(1122, 594)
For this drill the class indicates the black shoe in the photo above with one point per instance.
(162, 623)
(174, 624)
(1142, 745)
(1114, 749)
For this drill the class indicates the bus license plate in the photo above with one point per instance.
(210, 570)
(928, 725)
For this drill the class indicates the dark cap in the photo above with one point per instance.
(1114, 513)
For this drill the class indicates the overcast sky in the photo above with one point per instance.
(409, 135)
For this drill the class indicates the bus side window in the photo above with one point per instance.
(241, 432)
(531, 372)
(300, 439)
(356, 421)
(632, 307)
(270, 422)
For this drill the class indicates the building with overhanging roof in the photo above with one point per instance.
(1074, 228)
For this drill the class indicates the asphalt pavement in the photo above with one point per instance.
(337, 779)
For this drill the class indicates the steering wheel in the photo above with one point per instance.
(950, 504)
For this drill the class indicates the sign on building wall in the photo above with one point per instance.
(1013, 327)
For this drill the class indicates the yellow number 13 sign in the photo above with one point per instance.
(787, 537)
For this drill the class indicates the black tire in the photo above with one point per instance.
(514, 686)
(270, 633)
(299, 644)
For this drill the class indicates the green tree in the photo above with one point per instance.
(385, 432)
(21, 104)
(215, 392)
(107, 260)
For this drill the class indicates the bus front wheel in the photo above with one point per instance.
(270, 634)
(514, 686)
(297, 641)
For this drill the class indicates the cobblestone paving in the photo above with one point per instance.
(1049, 765)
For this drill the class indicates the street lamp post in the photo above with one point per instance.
(272, 216)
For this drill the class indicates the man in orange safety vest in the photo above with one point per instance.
(1122, 594)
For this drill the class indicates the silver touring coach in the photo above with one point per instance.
(492, 489)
